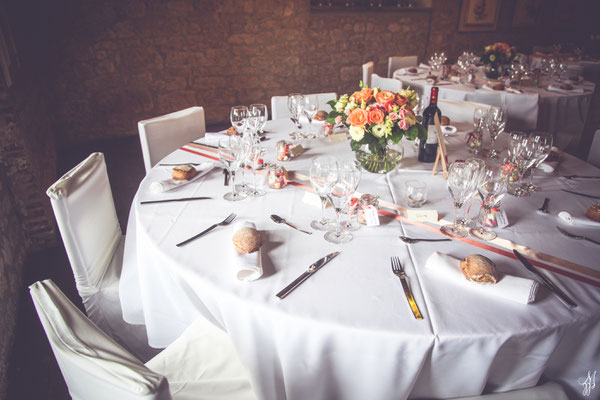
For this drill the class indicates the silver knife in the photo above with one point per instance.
(566, 300)
(582, 177)
(581, 194)
(306, 274)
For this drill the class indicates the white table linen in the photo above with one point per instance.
(348, 333)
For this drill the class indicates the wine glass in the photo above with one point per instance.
(237, 116)
(294, 103)
(525, 157)
(479, 167)
(514, 141)
(475, 137)
(544, 141)
(253, 155)
(310, 106)
(495, 124)
(323, 176)
(491, 189)
(230, 154)
(262, 113)
(344, 188)
(460, 184)
(350, 223)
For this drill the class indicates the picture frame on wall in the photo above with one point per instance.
(479, 15)
(527, 13)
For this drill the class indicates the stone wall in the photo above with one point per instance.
(122, 61)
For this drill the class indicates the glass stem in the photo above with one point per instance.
(254, 179)
(338, 230)
(456, 211)
(531, 176)
(323, 205)
(234, 191)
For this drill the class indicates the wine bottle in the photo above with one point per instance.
(428, 147)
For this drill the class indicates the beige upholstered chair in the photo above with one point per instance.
(162, 135)
(279, 108)
(460, 111)
(367, 71)
(390, 84)
(395, 63)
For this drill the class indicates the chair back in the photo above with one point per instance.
(279, 108)
(459, 111)
(367, 71)
(85, 212)
(522, 108)
(93, 365)
(162, 135)
(395, 63)
(393, 85)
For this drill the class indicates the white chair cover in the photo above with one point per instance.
(522, 108)
(93, 365)
(547, 391)
(85, 212)
(390, 84)
(459, 111)
(279, 108)
(367, 71)
(161, 135)
(395, 63)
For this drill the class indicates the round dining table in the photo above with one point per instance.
(559, 112)
(348, 332)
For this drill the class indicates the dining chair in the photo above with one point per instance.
(200, 364)
(367, 71)
(522, 108)
(395, 63)
(160, 136)
(87, 220)
(459, 111)
(547, 391)
(279, 108)
(390, 84)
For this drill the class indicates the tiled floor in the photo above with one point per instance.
(33, 371)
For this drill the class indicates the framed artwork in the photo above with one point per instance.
(527, 13)
(479, 15)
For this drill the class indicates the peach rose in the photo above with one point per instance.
(376, 116)
(358, 117)
(364, 95)
(384, 96)
(389, 106)
(401, 100)
(403, 124)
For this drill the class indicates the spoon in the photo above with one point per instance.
(411, 240)
(279, 220)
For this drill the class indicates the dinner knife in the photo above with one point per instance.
(581, 177)
(170, 200)
(306, 274)
(566, 300)
(581, 194)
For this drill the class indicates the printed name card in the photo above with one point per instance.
(338, 137)
(502, 219)
(297, 150)
(422, 215)
(371, 216)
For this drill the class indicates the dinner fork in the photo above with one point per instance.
(226, 221)
(399, 272)
(576, 237)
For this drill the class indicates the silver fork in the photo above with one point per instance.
(399, 272)
(226, 221)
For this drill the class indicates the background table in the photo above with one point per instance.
(348, 333)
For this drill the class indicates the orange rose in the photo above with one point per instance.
(384, 96)
(376, 116)
(358, 117)
(364, 95)
(401, 100)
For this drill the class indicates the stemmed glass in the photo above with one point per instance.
(525, 157)
(479, 117)
(495, 124)
(323, 176)
(350, 224)
(479, 167)
(237, 116)
(310, 106)
(261, 112)
(491, 189)
(460, 184)
(294, 103)
(231, 154)
(344, 188)
(544, 146)
(253, 154)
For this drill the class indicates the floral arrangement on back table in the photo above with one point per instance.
(375, 116)
(499, 54)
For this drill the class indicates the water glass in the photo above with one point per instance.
(415, 193)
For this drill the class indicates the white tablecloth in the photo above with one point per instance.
(589, 69)
(347, 332)
(563, 115)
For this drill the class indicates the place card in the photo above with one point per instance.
(297, 150)
(313, 199)
(422, 215)
(338, 137)
(371, 216)
(501, 219)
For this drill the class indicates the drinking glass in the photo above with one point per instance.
(491, 189)
(416, 193)
(253, 155)
(495, 124)
(544, 141)
(525, 157)
(294, 103)
(230, 154)
(344, 188)
(237, 116)
(460, 184)
(310, 106)
(514, 141)
(479, 167)
(323, 176)
(261, 112)
(475, 138)
(350, 224)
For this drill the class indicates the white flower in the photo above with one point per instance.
(349, 107)
(378, 130)
(357, 133)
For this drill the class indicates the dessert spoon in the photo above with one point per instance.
(277, 219)
(412, 240)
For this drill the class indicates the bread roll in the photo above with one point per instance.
(413, 70)
(184, 172)
(566, 86)
(477, 268)
(593, 212)
(320, 115)
(247, 240)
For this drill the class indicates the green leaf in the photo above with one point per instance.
(354, 145)
(332, 103)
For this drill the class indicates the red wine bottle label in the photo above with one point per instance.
(432, 137)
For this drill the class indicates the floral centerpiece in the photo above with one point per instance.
(497, 56)
(377, 120)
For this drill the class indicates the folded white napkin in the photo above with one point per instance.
(169, 184)
(248, 267)
(557, 89)
(510, 287)
(214, 137)
(424, 66)
(304, 120)
(567, 218)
